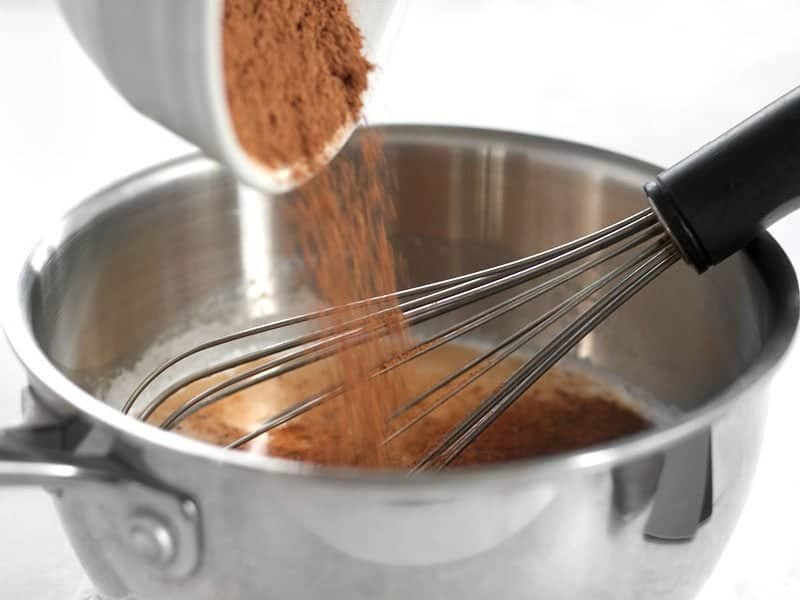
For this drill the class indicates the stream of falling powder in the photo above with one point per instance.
(342, 219)
(295, 75)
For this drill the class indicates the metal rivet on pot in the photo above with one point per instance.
(151, 539)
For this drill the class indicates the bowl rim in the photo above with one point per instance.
(764, 252)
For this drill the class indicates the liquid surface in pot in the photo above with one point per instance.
(566, 410)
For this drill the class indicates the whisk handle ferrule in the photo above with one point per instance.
(716, 201)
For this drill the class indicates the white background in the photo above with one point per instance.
(650, 79)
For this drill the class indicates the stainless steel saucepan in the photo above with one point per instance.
(132, 274)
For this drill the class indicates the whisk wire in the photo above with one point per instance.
(490, 409)
(508, 346)
(557, 257)
(459, 330)
(363, 321)
(316, 347)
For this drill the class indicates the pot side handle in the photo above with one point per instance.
(46, 475)
(34, 455)
(157, 526)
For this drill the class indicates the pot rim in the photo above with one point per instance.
(19, 332)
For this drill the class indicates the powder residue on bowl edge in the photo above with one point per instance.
(295, 75)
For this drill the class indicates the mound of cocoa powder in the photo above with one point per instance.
(295, 74)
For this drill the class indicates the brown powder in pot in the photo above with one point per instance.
(566, 410)
(295, 74)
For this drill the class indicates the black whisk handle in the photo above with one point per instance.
(718, 199)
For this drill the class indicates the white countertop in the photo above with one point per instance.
(649, 81)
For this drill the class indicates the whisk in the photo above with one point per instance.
(702, 210)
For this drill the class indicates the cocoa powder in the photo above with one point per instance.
(342, 220)
(295, 75)
(566, 410)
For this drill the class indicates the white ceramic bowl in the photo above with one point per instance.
(165, 58)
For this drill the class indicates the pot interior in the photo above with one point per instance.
(180, 253)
